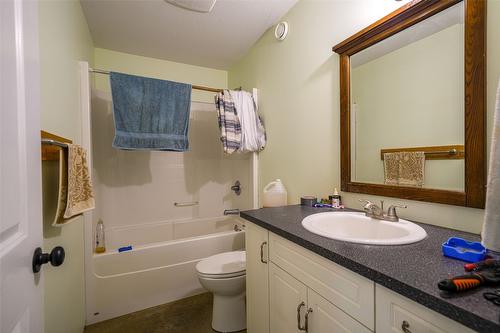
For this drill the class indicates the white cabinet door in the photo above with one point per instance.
(256, 239)
(326, 317)
(287, 298)
(20, 168)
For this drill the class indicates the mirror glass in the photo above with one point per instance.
(407, 106)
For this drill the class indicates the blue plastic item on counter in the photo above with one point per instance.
(320, 205)
(462, 249)
(125, 248)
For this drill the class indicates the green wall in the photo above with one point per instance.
(298, 80)
(64, 40)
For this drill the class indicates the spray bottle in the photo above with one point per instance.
(100, 246)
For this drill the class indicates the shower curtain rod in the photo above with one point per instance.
(100, 71)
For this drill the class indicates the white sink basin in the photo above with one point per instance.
(357, 228)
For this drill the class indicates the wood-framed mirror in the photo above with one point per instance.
(413, 85)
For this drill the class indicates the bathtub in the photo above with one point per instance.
(161, 266)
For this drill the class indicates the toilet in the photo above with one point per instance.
(224, 275)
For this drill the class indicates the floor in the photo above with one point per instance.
(189, 315)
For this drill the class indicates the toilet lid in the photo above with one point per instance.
(226, 263)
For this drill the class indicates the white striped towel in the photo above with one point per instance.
(229, 122)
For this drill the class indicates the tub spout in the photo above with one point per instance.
(231, 212)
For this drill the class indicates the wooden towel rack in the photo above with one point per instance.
(450, 152)
(51, 152)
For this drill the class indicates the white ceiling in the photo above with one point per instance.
(154, 28)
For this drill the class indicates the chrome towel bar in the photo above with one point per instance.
(185, 204)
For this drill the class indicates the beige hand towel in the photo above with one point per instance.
(80, 193)
(404, 168)
(491, 225)
(62, 195)
(411, 168)
(391, 168)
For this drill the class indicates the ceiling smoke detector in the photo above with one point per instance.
(200, 6)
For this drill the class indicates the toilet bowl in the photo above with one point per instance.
(224, 275)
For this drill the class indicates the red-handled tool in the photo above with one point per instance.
(461, 283)
(485, 272)
(479, 265)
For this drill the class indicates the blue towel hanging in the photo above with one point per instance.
(150, 114)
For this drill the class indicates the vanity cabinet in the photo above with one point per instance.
(286, 282)
(257, 282)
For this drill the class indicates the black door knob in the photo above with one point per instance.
(56, 258)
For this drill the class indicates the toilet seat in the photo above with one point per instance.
(221, 276)
(223, 265)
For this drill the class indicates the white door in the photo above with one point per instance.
(326, 317)
(256, 243)
(20, 184)
(287, 301)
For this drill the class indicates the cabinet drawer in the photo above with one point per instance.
(349, 291)
(393, 310)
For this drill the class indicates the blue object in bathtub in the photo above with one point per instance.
(125, 248)
(462, 249)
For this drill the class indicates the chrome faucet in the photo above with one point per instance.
(232, 211)
(376, 212)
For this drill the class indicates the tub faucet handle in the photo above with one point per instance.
(236, 187)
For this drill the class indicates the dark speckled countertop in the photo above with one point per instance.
(411, 270)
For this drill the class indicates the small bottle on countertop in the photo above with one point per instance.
(100, 246)
(336, 199)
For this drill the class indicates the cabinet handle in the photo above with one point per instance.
(405, 327)
(262, 253)
(306, 324)
(300, 328)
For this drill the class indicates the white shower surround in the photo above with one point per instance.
(120, 283)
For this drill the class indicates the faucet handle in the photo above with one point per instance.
(367, 204)
(391, 212)
(398, 206)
